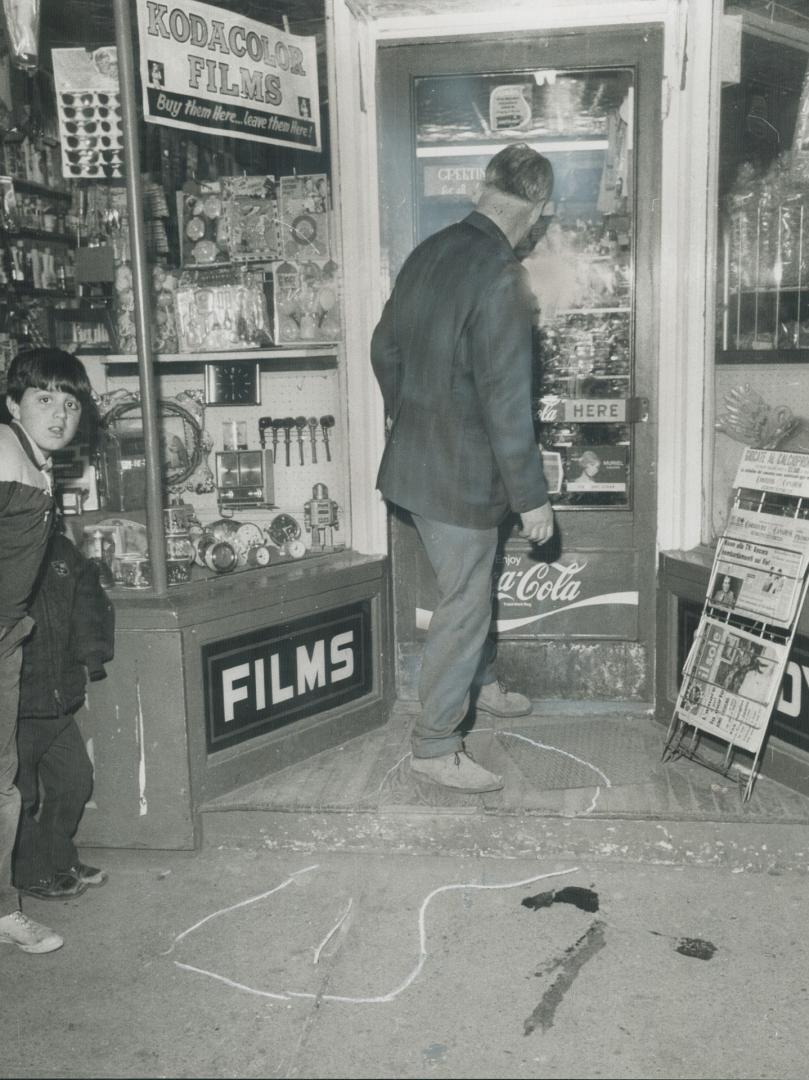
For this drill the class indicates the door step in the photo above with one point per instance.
(585, 782)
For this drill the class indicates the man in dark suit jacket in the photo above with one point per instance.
(453, 356)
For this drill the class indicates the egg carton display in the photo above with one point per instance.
(221, 309)
(304, 216)
(303, 298)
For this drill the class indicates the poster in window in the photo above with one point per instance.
(203, 68)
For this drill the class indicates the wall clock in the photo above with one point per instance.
(232, 382)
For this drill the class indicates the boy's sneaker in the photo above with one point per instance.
(495, 699)
(17, 929)
(88, 875)
(457, 771)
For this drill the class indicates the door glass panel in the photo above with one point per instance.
(579, 258)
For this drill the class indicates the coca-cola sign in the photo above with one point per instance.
(588, 595)
(555, 582)
(592, 595)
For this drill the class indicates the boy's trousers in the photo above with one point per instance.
(50, 750)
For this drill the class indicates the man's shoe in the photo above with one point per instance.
(457, 771)
(57, 887)
(17, 929)
(89, 874)
(495, 699)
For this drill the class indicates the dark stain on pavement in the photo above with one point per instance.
(583, 899)
(571, 962)
(696, 947)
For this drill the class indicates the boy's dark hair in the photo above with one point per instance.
(519, 170)
(48, 369)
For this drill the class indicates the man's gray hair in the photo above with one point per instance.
(519, 170)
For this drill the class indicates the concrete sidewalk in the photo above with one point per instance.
(246, 963)
(606, 915)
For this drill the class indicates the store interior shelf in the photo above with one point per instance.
(34, 188)
(14, 291)
(594, 311)
(24, 232)
(281, 352)
(762, 356)
(769, 290)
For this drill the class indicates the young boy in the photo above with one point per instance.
(46, 391)
(73, 636)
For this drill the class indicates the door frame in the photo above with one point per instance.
(640, 48)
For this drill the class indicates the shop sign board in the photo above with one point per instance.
(579, 595)
(263, 680)
(206, 69)
(453, 180)
(556, 410)
(791, 720)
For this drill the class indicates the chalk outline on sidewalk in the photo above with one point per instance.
(377, 1000)
(539, 746)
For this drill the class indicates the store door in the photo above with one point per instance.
(577, 620)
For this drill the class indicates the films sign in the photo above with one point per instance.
(206, 69)
(263, 680)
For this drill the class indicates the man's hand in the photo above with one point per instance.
(537, 524)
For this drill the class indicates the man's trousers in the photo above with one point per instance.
(458, 652)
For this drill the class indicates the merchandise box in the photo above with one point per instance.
(221, 309)
(304, 216)
(202, 223)
(303, 301)
(251, 218)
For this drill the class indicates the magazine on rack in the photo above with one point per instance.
(730, 682)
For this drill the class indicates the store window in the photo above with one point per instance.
(579, 257)
(243, 270)
(762, 312)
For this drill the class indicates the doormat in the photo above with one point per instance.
(576, 752)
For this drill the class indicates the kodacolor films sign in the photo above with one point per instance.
(205, 69)
(263, 680)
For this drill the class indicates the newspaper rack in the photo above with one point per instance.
(733, 672)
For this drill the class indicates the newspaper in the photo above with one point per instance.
(760, 581)
(776, 530)
(731, 680)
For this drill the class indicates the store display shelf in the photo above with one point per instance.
(18, 289)
(762, 356)
(594, 311)
(280, 352)
(26, 233)
(33, 188)
(441, 148)
(769, 290)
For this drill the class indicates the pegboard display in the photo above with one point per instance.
(299, 421)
